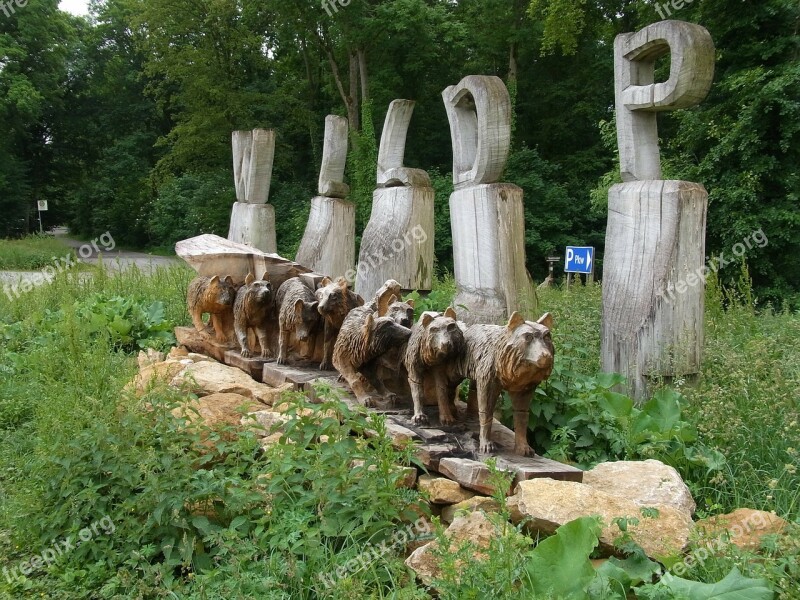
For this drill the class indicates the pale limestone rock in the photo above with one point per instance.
(475, 528)
(638, 98)
(744, 528)
(645, 482)
(334, 158)
(154, 375)
(217, 409)
(213, 378)
(254, 225)
(547, 504)
(264, 422)
(149, 357)
(478, 503)
(653, 289)
(443, 491)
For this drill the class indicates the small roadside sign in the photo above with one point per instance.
(42, 204)
(580, 259)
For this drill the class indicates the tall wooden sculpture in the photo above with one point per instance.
(252, 219)
(655, 241)
(398, 240)
(329, 242)
(487, 218)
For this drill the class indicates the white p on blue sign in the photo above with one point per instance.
(579, 259)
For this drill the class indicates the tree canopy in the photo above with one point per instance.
(123, 120)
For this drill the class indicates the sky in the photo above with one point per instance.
(76, 7)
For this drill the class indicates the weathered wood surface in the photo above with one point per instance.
(639, 98)
(398, 241)
(254, 225)
(202, 343)
(334, 157)
(391, 170)
(653, 281)
(329, 242)
(213, 255)
(488, 225)
(253, 155)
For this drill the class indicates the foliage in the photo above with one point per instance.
(130, 324)
(437, 300)
(32, 253)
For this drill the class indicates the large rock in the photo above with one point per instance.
(214, 378)
(547, 504)
(744, 528)
(217, 409)
(646, 482)
(153, 375)
(478, 503)
(475, 528)
(443, 491)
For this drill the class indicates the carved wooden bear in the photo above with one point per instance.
(253, 309)
(297, 312)
(214, 296)
(515, 357)
(336, 300)
(436, 341)
(363, 339)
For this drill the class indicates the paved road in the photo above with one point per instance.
(114, 260)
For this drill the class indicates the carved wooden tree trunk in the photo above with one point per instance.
(398, 240)
(329, 242)
(654, 273)
(487, 217)
(252, 219)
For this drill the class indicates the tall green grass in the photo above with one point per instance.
(31, 253)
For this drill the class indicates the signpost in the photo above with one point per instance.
(580, 260)
(42, 206)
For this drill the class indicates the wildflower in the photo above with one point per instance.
(773, 484)
(791, 469)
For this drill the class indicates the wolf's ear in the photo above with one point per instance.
(342, 283)
(265, 277)
(384, 303)
(368, 324)
(547, 320)
(249, 279)
(450, 313)
(313, 306)
(298, 307)
(215, 279)
(325, 281)
(359, 300)
(515, 321)
(410, 303)
(427, 319)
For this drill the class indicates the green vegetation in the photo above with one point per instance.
(124, 123)
(32, 253)
(196, 513)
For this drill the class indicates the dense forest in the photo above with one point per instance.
(122, 121)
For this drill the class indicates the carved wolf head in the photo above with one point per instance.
(401, 313)
(219, 293)
(526, 356)
(336, 300)
(442, 338)
(258, 291)
(307, 318)
(382, 334)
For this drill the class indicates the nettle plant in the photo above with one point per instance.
(581, 419)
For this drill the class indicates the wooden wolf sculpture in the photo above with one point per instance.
(297, 312)
(368, 333)
(214, 296)
(254, 309)
(436, 341)
(515, 357)
(336, 300)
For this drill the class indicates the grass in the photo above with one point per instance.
(74, 448)
(31, 253)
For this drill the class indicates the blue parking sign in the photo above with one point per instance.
(579, 259)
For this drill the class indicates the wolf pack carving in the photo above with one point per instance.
(366, 340)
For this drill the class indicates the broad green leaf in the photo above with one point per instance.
(735, 586)
(618, 405)
(560, 565)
